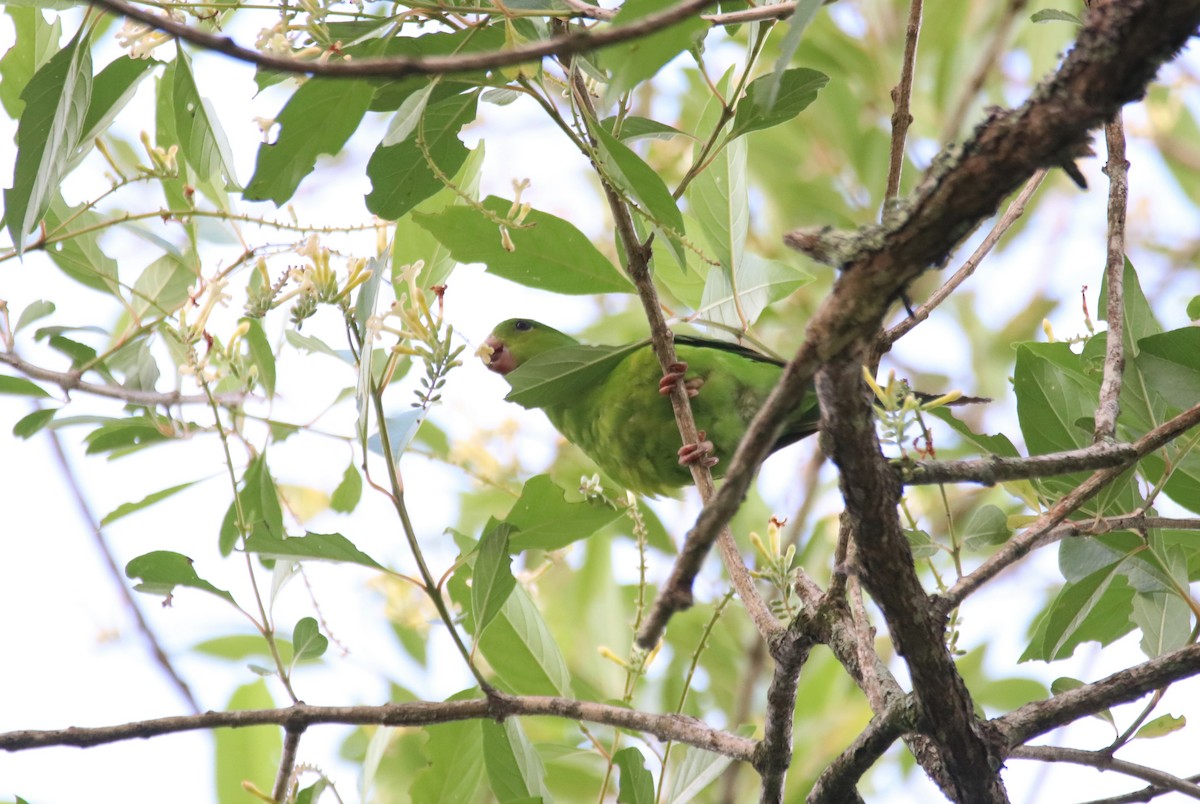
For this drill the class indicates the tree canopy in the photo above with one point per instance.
(252, 249)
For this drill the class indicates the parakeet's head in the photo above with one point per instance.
(517, 340)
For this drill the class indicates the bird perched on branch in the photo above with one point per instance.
(612, 402)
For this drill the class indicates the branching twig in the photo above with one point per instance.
(401, 66)
(1117, 169)
(990, 58)
(73, 381)
(1014, 211)
(118, 577)
(1102, 761)
(1039, 717)
(1043, 531)
(498, 706)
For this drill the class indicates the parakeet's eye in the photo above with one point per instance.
(523, 326)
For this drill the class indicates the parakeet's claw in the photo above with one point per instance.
(698, 454)
(675, 373)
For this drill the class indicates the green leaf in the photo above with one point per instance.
(19, 386)
(801, 17)
(797, 88)
(162, 570)
(998, 444)
(921, 543)
(637, 784)
(201, 139)
(401, 429)
(162, 288)
(240, 647)
(736, 299)
(1164, 620)
(34, 42)
(246, 754)
(80, 256)
(31, 424)
(1095, 608)
(695, 770)
(308, 641)
(150, 499)
(634, 128)
(1170, 363)
(317, 119)
(261, 355)
(1161, 726)
(632, 62)
(122, 436)
(38, 309)
(346, 496)
(315, 546)
(514, 768)
(56, 101)
(545, 520)
(558, 375)
(551, 254)
(630, 173)
(112, 89)
(986, 527)
(492, 579)
(411, 241)
(1055, 15)
(1140, 321)
(1193, 308)
(401, 176)
(455, 754)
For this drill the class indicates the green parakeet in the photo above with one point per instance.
(620, 415)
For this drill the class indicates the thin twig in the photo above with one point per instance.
(989, 59)
(67, 473)
(663, 342)
(997, 469)
(680, 728)
(72, 381)
(1117, 170)
(1102, 761)
(1010, 216)
(402, 66)
(901, 95)
(1139, 796)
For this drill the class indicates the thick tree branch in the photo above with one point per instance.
(679, 728)
(1103, 761)
(287, 763)
(1039, 717)
(774, 753)
(838, 782)
(401, 66)
(884, 564)
(1043, 532)
(1117, 54)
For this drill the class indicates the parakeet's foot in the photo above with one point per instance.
(676, 372)
(699, 454)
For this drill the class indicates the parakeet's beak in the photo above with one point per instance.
(501, 360)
